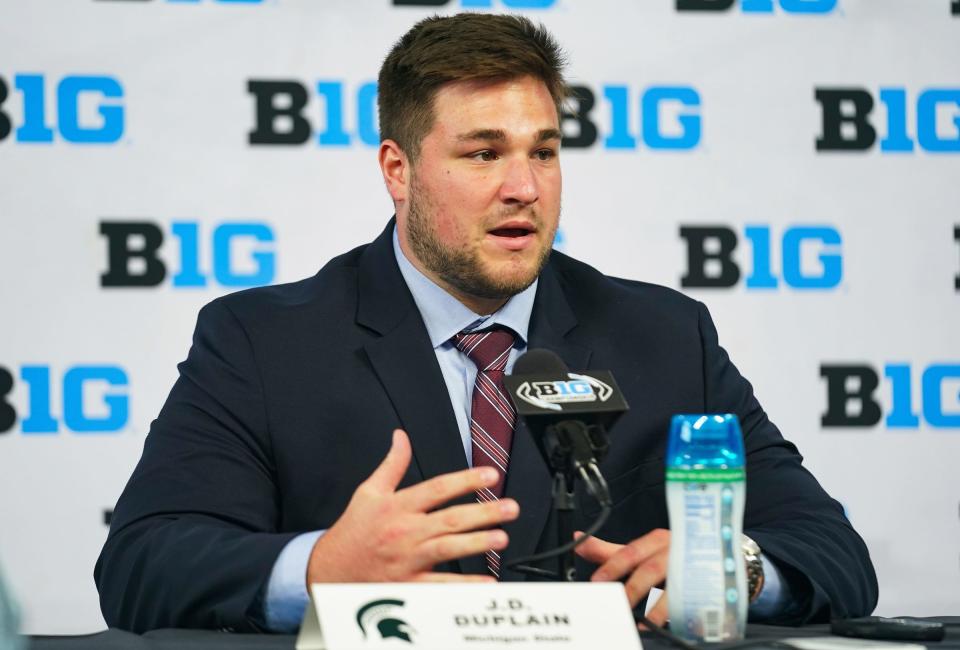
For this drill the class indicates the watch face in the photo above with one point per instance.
(751, 553)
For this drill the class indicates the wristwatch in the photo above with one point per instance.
(751, 556)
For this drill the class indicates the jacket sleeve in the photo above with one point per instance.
(193, 537)
(795, 522)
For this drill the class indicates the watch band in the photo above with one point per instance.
(751, 557)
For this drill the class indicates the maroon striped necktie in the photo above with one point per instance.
(491, 414)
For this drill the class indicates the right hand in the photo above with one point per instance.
(386, 535)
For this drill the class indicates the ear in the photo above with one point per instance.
(395, 167)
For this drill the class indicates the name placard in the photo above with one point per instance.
(475, 616)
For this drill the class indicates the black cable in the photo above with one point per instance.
(597, 488)
(560, 550)
(669, 637)
(596, 484)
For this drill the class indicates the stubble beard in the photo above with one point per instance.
(460, 269)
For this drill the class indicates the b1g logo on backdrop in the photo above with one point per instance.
(92, 399)
(760, 6)
(135, 250)
(811, 257)
(849, 124)
(194, 2)
(852, 395)
(479, 4)
(668, 117)
(89, 109)
(956, 236)
(279, 113)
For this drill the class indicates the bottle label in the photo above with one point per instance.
(706, 475)
(705, 594)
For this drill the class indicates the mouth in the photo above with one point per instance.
(513, 235)
(513, 229)
(510, 232)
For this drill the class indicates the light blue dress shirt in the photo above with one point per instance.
(444, 316)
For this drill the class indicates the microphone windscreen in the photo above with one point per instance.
(540, 362)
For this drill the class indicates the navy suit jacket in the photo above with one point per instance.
(290, 393)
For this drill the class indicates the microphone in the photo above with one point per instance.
(568, 415)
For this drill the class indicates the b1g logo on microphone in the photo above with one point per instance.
(479, 4)
(811, 257)
(134, 260)
(93, 399)
(847, 124)
(852, 402)
(658, 118)
(89, 109)
(553, 394)
(760, 6)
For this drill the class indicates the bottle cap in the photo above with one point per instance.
(705, 442)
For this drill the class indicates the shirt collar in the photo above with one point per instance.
(445, 316)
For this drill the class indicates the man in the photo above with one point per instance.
(324, 430)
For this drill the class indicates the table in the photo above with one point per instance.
(207, 640)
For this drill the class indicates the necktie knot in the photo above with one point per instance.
(488, 349)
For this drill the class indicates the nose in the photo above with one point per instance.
(519, 184)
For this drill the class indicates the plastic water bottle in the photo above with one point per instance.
(706, 491)
(9, 621)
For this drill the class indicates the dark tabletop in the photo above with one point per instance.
(205, 640)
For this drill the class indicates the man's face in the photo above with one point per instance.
(484, 197)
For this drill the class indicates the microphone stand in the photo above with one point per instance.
(571, 450)
(565, 505)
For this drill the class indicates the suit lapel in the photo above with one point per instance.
(529, 480)
(406, 365)
(404, 361)
(407, 368)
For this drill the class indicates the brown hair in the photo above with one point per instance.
(464, 47)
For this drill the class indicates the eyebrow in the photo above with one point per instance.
(499, 135)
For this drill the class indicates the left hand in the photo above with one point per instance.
(645, 559)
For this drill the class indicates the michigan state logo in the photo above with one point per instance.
(380, 616)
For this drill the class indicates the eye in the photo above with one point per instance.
(545, 154)
(484, 156)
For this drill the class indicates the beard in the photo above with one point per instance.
(462, 269)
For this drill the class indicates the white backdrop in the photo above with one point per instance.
(175, 148)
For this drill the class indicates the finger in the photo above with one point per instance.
(432, 576)
(453, 547)
(647, 575)
(659, 612)
(596, 550)
(459, 519)
(428, 495)
(633, 555)
(390, 472)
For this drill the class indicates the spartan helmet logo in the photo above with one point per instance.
(381, 615)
